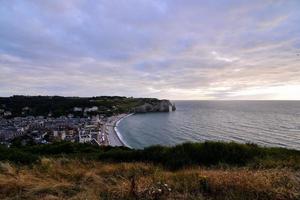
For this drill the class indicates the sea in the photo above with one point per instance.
(266, 123)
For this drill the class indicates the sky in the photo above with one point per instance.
(174, 49)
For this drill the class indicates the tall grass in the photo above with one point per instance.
(64, 178)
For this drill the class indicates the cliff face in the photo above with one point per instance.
(157, 106)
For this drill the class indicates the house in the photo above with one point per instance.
(59, 134)
(8, 133)
(77, 109)
(7, 113)
(26, 108)
(84, 137)
(63, 135)
(55, 133)
(92, 109)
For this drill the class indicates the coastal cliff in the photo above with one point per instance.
(155, 106)
(56, 106)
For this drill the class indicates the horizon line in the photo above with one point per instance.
(69, 96)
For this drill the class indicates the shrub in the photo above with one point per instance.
(187, 154)
(17, 156)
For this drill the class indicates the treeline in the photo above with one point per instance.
(179, 156)
(58, 106)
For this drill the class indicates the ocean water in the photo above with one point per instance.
(267, 123)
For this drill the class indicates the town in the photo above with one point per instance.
(92, 129)
(29, 120)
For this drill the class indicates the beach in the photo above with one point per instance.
(114, 137)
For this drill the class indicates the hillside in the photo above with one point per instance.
(210, 170)
(55, 106)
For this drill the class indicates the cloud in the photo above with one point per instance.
(217, 56)
(166, 49)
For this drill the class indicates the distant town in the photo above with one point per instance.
(43, 130)
(26, 120)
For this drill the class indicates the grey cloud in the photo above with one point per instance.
(149, 48)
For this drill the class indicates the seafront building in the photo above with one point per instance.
(46, 129)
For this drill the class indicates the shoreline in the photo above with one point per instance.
(117, 132)
(115, 137)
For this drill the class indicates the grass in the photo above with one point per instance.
(63, 178)
(176, 157)
(210, 170)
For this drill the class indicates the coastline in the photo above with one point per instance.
(114, 136)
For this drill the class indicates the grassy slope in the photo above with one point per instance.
(211, 170)
(63, 178)
(176, 157)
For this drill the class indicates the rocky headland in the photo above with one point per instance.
(155, 106)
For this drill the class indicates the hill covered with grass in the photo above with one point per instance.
(56, 106)
(210, 170)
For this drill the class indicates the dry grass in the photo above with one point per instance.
(73, 179)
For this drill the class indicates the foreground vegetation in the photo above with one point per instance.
(210, 170)
(176, 157)
(64, 178)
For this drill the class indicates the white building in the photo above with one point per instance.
(7, 113)
(84, 137)
(77, 109)
(92, 109)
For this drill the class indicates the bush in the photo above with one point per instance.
(17, 156)
(205, 154)
(187, 154)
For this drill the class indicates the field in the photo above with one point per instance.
(76, 171)
(64, 178)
